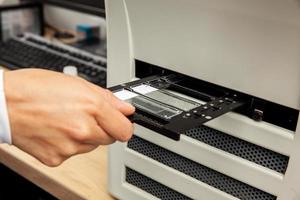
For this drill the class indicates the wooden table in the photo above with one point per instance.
(81, 177)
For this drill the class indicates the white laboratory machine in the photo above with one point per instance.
(217, 91)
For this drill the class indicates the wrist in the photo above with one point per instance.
(5, 131)
(11, 89)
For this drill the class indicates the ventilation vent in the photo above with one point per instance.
(211, 177)
(152, 187)
(240, 148)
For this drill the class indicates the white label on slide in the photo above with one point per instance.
(125, 95)
(144, 89)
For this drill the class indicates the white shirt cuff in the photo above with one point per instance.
(5, 132)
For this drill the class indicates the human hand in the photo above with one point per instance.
(54, 116)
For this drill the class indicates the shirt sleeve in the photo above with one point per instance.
(5, 132)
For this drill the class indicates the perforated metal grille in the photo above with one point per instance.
(211, 177)
(152, 187)
(241, 148)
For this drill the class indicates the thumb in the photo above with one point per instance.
(123, 106)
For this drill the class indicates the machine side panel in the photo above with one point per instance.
(249, 46)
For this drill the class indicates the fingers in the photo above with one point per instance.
(114, 123)
(76, 144)
(99, 137)
(55, 156)
(124, 107)
(110, 116)
(82, 142)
